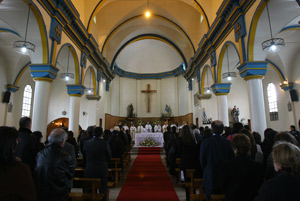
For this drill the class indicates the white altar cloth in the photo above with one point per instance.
(141, 137)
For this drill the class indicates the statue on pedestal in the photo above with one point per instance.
(130, 111)
(235, 112)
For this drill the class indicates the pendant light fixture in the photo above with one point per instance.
(273, 44)
(148, 13)
(90, 90)
(229, 75)
(24, 47)
(67, 76)
(208, 88)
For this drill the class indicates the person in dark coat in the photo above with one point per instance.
(284, 186)
(38, 135)
(186, 148)
(28, 147)
(98, 154)
(241, 177)
(16, 181)
(54, 169)
(117, 147)
(166, 140)
(83, 139)
(73, 142)
(214, 152)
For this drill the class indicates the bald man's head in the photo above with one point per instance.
(217, 127)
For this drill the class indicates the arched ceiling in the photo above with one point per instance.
(115, 22)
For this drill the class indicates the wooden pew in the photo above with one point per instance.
(114, 168)
(177, 169)
(217, 197)
(92, 183)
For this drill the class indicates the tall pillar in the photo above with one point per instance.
(75, 92)
(43, 75)
(221, 90)
(92, 111)
(253, 73)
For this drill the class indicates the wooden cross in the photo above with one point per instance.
(148, 92)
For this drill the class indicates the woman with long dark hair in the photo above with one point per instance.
(16, 181)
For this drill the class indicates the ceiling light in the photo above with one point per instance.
(24, 47)
(229, 75)
(147, 14)
(67, 76)
(273, 44)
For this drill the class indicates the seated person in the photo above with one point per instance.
(242, 176)
(284, 186)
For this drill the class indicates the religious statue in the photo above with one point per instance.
(130, 111)
(168, 110)
(235, 112)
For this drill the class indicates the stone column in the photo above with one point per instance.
(43, 75)
(221, 90)
(75, 92)
(253, 73)
(92, 109)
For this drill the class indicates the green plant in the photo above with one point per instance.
(149, 142)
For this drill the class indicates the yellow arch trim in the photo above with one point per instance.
(220, 64)
(43, 33)
(253, 29)
(93, 77)
(278, 72)
(203, 77)
(76, 64)
(142, 16)
(20, 75)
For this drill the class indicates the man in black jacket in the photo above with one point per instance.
(97, 153)
(27, 146)
(214, 152)
(54, 169)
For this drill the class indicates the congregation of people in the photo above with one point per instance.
(231, 161)
(235, 162)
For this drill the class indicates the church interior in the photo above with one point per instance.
(77, 63)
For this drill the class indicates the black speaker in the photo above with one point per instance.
(294, 95)
(6, 97)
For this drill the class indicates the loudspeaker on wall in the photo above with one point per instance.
(294, 95)
(6, 97)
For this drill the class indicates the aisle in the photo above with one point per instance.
(148, 179)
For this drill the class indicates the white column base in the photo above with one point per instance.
(223, 109)
(74, 115)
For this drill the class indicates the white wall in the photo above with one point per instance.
(285, 118)
(169, 91)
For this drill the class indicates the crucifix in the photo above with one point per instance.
(148, 92)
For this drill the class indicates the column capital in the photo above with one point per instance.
(12, 88)
(253, 70)
(75, 90)
(286, 86)
(43, 72)
(93, 97)
(220, 89)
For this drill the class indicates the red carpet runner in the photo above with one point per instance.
(148, 179)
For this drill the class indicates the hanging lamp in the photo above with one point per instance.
(208, 88)
(148, 13)
(67, 76)
(24, 47)
(90, 90)
(228, 75)
(273, 44)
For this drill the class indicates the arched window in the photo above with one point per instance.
(272, 99)
(27, 101)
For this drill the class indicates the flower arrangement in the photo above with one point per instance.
(149, 142)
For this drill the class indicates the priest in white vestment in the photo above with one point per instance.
(117, 128)
(125, 127)
(148, 127)
(139, 128)
(157, 128)
(132, 131)
(164, 127)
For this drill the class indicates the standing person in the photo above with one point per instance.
(38, 135)
(157, 128)
(165, 126)
(54, 169)
(293, 131)
(28, 147)
(186, 148)
(140, 128)
(284, 186)
(241, 177)
(148, 127)
(125, 127)
(214, 152)
(132, 131)
(16, 181)
(98, 154)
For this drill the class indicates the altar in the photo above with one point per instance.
(141, 137)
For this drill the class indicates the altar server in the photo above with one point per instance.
(157, 128)
(125, 127)
(148, 127)
(132, 131)
(139, 128)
